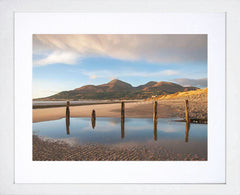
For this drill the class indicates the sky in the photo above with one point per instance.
(65, 62)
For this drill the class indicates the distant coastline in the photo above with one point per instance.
(62, 103)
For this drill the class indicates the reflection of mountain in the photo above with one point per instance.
(117, 89)
(114, 121)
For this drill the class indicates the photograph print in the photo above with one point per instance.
(119, 97)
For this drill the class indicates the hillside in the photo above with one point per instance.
(190, 95)
(112, 86)
(117, 89)
(198, 103)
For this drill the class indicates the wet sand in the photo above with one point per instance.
(166, 109)
(133, 110)
(54, 150)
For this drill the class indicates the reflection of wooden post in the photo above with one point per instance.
(122, 129)
(122, 120)
(155, 121)
(187, 131)
(93, 119)
(67, 117)
(187, 111)
(155, 130)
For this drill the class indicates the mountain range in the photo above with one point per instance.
(117, 89)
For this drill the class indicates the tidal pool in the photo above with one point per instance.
(175, 136)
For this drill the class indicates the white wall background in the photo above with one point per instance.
(7, 8)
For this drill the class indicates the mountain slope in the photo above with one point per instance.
(149, 84)
(114, 85)
(165, 87)
(117, 89)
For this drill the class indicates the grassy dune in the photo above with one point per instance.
(195, 94)
(198, 104)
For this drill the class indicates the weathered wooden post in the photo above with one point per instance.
(67, 117)
(187, 128)
(93, 119)
(122, 120)
(155, 111)
(155, 120)
(187, 111)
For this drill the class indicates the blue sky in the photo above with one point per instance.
(66, 62)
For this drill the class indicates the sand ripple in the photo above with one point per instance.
(55, 150)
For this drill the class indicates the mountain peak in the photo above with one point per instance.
(116, 84)
(115, 81)
(151, 83)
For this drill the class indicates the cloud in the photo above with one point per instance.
(152, 74)
(169, 72)
(201, 83)
(113, 75)
(151, 48)
(63, 57)
(93, 76)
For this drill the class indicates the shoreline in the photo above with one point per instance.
(75, 103)
(143, 109)
(133, 110)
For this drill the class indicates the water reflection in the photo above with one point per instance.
(155, 121)
(122, 120)
(155, 129)
(93, 119)
(115, 121)
(187, 128)
(67, 125)
(67, 118)
(122, 128)
(131, 130)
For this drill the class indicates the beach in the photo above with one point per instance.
(141, 109)
(46, 149)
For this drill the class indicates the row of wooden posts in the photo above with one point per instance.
(93, 119)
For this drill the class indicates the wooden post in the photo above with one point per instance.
(187, 111)
(122, 111)
(93, 119)
(155, 121)
(122, 120)
(67, 117)
(155, 111)
(187, 128)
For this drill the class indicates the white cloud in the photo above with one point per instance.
(93, 76)
(201, 83)
(58, 57)
(151, 48)
(113, 75)
(158, 73)
(112, 78)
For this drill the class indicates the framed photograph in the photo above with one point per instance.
(119, 98)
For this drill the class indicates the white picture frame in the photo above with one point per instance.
(7, 10)
(210, 171)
